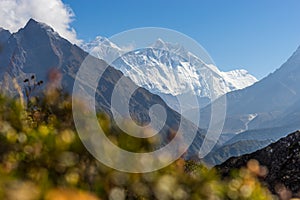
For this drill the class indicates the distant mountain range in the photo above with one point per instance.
(169, 70)
(37, 49)
(282, 160)
(256, 115)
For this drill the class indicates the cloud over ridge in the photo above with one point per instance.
(14, 14)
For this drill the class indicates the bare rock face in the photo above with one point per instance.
(282, 159)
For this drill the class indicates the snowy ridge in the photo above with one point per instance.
(102, 48)
(164, 69)
(239, 78)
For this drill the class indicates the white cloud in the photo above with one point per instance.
(14, 14)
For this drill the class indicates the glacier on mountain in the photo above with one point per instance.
(169, 70)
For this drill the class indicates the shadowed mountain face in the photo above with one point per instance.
(246, 142)
(282, 159)
(37, 49)
(4, 35)
(263, 112)
(266, 100)
(277, 92)
(239, 148)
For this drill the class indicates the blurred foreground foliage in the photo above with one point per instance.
(41, 157)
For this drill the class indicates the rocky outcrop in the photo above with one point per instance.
(282, 160)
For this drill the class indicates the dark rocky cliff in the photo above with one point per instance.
(282, 160)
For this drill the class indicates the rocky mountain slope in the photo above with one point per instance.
(282, 160)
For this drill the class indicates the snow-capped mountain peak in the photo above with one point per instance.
(159, 43)
(239, 78)
(174, 48)
(169, 69)
(99, 40)
(103, 48)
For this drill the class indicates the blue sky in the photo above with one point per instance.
(257, 35)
